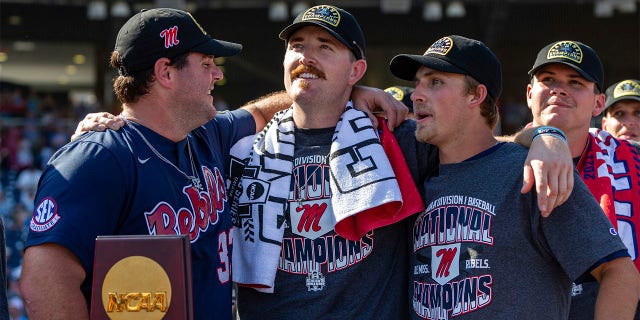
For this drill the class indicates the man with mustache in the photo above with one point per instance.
(318, 272)
(565, 91)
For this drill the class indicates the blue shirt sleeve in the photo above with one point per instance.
(81, 194)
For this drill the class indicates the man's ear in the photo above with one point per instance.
(162, 71)
(357, 71)
(599, 104)
(479, 95)
(529, 87)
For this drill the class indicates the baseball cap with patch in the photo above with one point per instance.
(623, 90)
(454, 54)
(163, 32)
(402, 94)
(340, 23)
(574, 54)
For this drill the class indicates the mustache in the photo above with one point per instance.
(307, 69)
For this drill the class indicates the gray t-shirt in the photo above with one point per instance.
(482, 251)
(322, 275)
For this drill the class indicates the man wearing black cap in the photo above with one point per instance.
(567, 80)
(163, 173)
(303, 265)
(622, 110)
(478, 233)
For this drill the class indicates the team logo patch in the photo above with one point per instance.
(441, 47)
(45, 216)
(445, 262)
(170, 37)
(326, 14)
(395, 92)
(626, 88)
(565, 50)
(315, 281)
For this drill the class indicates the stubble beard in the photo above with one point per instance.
(423, 134)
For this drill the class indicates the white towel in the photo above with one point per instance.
(259, 179)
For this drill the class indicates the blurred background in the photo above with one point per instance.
(54, 62)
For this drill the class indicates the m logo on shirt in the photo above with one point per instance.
(446, 261)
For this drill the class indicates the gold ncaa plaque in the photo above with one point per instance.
(142, 277)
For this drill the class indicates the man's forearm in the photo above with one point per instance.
(619, 290)
(263, 108)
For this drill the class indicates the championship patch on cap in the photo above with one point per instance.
(567, 50)
(45, 215)
(442, 46)
(396, 92)
(626, 88)
(326, 14)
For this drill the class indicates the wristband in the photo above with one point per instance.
(550, 131)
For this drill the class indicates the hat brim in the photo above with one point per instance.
(609, 102)
(218, 48)
(405, 66)
(585, 75)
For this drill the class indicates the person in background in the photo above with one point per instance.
(565, 91)
(621, 115)
(402, 94)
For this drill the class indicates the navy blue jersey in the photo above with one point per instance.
(114, 183)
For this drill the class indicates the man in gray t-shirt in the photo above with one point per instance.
(480, 250)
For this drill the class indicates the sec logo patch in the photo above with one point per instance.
(45, 215)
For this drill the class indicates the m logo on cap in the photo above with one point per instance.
(170, 37)
(327, 14)
(441, 47)
(626, 88)
(567, 50)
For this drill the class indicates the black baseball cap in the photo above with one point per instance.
(624, 90)
(340, 23)
(454, 54)
(164, 32)
(574, 54)
(402, 94)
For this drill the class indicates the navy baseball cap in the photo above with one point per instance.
(164, 32)
(454, 54)
(574, 54)
(340, 23)
(402, 94)
(623, 90)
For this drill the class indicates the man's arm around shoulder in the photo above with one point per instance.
(263, 108)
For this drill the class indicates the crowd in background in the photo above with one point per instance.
(33, 126)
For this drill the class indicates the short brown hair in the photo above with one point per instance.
(488, 107)
(129, 88)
